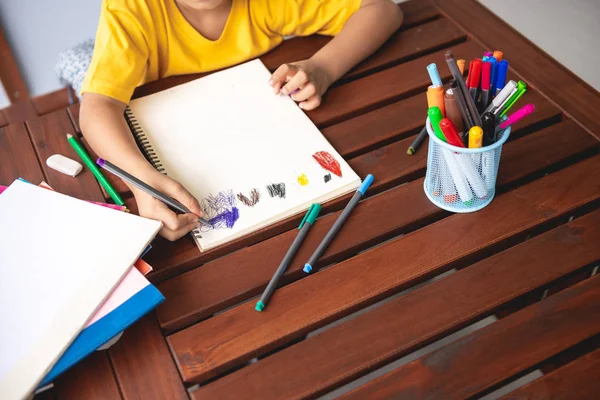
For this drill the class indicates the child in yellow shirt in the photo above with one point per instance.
(139, 41)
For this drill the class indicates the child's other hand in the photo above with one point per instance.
(305, 80)
(174, 225)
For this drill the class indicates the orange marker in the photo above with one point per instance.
(435, 97)
(461, 66)
(475, 137)
(498, 55)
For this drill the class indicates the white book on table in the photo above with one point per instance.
(59, 259)
(234, 144)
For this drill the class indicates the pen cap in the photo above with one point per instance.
(518, 115)
(501, 74)
(487, 54)
(452, 111)
(486, 71)
(503, 95)
(474, 73)
(461, 66)
(311, 214)
(475, 137)
(434, 74)
(488, 124)
(435, 98)
(521, 89)
(449, 131)
(435, 116)
(498, 55)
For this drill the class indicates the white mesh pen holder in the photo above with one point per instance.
(460, 179)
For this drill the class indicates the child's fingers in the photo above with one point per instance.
(277, 87)
(173, 235)
(169, 219)
(297, 81)
(306, 92)
(311, 103)
(282, 74)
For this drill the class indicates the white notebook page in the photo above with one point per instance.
(226, 135)
(59, 259)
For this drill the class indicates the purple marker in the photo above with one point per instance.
(488, 54)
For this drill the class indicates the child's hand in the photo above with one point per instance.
(174, 225)
(305, 80)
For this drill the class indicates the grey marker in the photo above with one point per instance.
(451, 61)
(337, 225)
(307, 222)
(147, 189)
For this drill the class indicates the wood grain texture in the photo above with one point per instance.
(17, 157)
(323, 362)
(49, 136)
(576, 98)
(371, 276)
(73, 111)
(577, 380)
(495, 353)
(19, 112)
(53, 101)
(91, 379)
(203, 291)
(298, 48)
(3, 121)
(143, 364)
(10, 76)
(385, 87)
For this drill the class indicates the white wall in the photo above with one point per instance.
(38, 30)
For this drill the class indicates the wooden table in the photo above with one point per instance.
(528, 258)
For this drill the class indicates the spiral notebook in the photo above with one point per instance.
(250, 157)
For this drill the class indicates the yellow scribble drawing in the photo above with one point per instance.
(303, 180)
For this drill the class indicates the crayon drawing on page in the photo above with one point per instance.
(276, 190)
(249, 201)
(221, 210)
(327, 162)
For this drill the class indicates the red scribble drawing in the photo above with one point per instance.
(326, 161)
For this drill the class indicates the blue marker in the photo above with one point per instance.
(337, 225)
(494, 72)
(501, 75)
(434, 74)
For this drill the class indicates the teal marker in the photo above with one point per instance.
(337, 225)
(521, 89)
(304, 227)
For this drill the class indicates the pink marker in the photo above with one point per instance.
(518, 115)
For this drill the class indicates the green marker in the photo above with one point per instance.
(521, 89)
(435, 116)
(95, 170)
(304, 227)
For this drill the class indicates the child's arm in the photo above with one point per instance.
(363, 34)
(106, 131)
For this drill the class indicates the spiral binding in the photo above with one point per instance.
(142, 141)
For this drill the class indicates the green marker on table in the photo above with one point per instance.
(304, 227)
(85, 157)
(521, 89)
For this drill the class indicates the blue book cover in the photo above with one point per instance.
(107, 327)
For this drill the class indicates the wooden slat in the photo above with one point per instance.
(415, 13)
(576, 380)
(48, 134)
(143, 364)
(53, 101)
(203, 291)
(497, 352)
(74, 114)
(19, 112)
(91, 379)
(10, 76)
(579, 100)
(17, 156)
(322, 362)
(3, 121)
(237, 335)
(385, 87)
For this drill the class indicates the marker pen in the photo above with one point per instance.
(450, 133)
(517, 116)
(434, 74)
(502, 96)
(521, 89)
(474, 77)
(453, 113)
(435, 97)
(498, 55)
(501, 75)
(486, 70)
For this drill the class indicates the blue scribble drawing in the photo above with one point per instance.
(221, 210)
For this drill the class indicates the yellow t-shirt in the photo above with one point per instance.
(139, 41)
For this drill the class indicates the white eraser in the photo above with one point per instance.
(64, 165)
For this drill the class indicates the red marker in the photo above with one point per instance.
(486, 74)
(451, 133)
(474, 77)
